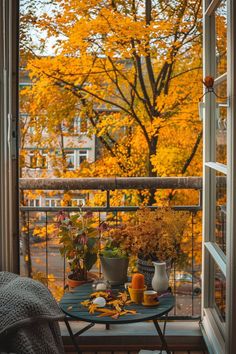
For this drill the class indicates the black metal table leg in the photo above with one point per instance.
(72, 336)
(164, 327)
(162, 337)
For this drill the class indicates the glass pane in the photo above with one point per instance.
(221, 39)
(219, 292)
(220, 216)
(221, 92)
(221, 134)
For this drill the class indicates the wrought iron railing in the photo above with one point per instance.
(40, 256)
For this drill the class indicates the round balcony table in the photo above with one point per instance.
(71, 306)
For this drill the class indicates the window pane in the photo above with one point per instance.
(70, 159)
(74, 202)
(33, 161)
(220, 215)
(221, 134)
(221, 38)
(82, 159)
(219, 293)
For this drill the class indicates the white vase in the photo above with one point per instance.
(160, 280)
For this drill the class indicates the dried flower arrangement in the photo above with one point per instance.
(152, 234)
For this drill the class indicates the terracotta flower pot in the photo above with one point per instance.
(72, 283)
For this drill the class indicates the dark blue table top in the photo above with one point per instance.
(71, 306)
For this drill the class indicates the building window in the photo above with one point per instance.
(81, 125)
(38, 160)
(33, 160)
(83, 156)
(34, 203)
(24, 85)
(70, 160)
(52, 202)
(80, 202)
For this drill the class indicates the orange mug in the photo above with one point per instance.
(150, 297)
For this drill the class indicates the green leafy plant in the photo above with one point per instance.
(112, 251)
(111, 247)
(79, 242)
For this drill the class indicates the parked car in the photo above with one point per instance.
(185, 283)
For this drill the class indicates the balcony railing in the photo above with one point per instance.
(40, 256)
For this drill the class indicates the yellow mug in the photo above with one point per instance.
(150, 297)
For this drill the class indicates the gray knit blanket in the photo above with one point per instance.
(28, 317)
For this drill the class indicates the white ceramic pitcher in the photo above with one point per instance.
(160, 280)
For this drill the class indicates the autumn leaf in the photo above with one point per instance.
(92, 308)
(123, 296)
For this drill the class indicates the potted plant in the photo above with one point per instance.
(114, 259)
(153, 235)
(79, 244)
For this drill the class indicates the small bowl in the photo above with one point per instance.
(136, 295)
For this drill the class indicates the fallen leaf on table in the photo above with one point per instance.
(100, 293)
(128, 302)
(107, 314)
(132, 312)
(92, 308)
(116, 316)
(115, 302)
(85, 303)
(106, 311)
(123, 296)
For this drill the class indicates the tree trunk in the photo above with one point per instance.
(151, 173)
(152, 151)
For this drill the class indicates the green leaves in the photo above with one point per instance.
(79, 240)
(115, 252)
(90, 259)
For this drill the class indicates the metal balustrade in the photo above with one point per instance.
(48, 265)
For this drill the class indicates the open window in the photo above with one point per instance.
(219, 177)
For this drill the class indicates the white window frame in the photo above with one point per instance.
(220, 337)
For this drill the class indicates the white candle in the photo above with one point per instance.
(101, 286)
